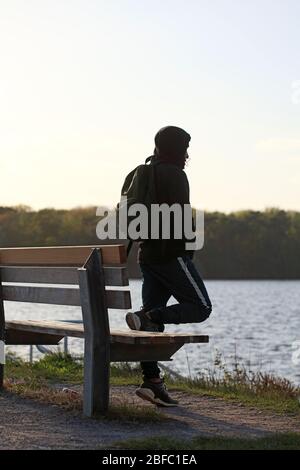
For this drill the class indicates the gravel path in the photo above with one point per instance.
(29, 424)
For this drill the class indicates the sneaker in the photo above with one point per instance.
(156, 393)
(141, 321)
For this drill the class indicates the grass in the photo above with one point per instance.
(63, 368)
(37, 381)
(51, 368)
(259, 390)
(254, 389)
(275, 442)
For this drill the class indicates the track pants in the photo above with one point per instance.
(178, 278)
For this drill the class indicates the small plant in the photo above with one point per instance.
(59, 365)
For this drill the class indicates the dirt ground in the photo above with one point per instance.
(29, 424)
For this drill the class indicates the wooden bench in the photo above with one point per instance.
(87, 270)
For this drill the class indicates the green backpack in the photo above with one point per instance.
(139, 187)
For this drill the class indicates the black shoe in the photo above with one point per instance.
(155, 393)
(141, 321)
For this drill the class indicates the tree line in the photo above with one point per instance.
(239, 245)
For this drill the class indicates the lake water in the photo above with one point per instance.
(257, 322)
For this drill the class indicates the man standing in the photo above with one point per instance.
(166, 265)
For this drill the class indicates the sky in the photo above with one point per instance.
(86, 84)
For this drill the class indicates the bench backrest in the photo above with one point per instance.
(59, 265)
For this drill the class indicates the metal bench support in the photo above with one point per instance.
(96, 336)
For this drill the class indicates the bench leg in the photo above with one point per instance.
(96, 336)
(96, 380)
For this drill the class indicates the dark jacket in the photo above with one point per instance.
(171, 187)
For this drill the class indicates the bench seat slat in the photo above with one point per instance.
(116, 336)
(114, 276)
(61, 296)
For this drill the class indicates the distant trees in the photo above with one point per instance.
(24, 227)
(242, 245)
(251, 244)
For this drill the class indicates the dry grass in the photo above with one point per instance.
(38, 381)
(262, 390)
(42, 392)
(254, 388)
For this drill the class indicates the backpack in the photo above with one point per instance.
(139, 187)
